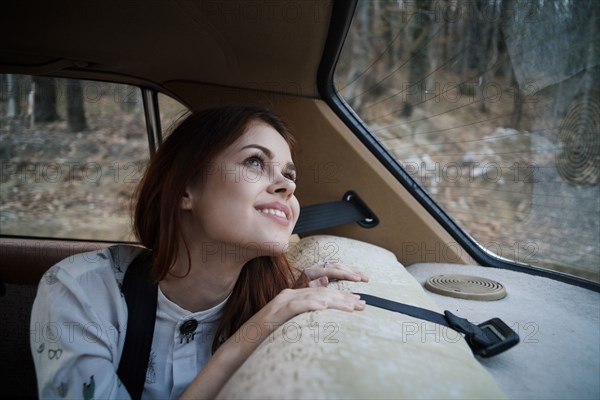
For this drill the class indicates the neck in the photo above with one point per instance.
(210, 280)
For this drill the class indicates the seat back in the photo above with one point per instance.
(24, 262)
(18, 379)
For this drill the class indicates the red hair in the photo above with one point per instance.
(183, 157)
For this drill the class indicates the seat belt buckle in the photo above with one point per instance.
(502, 338)
(486, 339)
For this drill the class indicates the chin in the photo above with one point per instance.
(269, 246)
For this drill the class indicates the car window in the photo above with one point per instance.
(493, 108)
(72, 152)
(171, 113)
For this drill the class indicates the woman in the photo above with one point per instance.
(216, 206)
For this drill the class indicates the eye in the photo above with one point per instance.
(255, 161)
(291, 176)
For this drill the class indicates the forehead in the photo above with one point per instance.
(262, 134)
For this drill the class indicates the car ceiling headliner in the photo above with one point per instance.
(265, 45)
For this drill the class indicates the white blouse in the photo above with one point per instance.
(78, 326)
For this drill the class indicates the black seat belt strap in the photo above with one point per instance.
(326, 215)
(486, 339)
(141, 296)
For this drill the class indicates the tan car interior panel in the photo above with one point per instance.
(226, 33)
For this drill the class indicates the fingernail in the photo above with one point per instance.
(356, 296)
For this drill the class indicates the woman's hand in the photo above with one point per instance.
(291, 302)
(320, 274)
(286, 305)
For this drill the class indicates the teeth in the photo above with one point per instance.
(279, 213)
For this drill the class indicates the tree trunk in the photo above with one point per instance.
(45, 99)
(75, 106)
(13, 108)
(420, 27)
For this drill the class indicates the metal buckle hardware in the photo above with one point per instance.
(486, 339)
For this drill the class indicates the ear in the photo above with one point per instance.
(186, 200)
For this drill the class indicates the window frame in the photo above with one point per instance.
(152, 118)
(341, 19)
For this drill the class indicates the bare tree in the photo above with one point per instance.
(420, 29)
(75, 106)
(45, 99)
(13, 106)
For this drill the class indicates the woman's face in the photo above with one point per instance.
(246, 200)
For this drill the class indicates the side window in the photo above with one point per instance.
(171, 113)
(493, 108)
(72, 153)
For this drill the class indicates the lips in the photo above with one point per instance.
(272, 211)
(277, 211)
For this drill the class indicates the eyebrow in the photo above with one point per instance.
(268, 152)
(289, 166)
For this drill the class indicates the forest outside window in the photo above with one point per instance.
(493, 107)
(72, 152)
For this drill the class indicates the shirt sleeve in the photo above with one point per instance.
(77, 331)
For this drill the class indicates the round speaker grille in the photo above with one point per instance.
(466, 287)
(578, 161)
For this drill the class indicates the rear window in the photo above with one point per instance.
(72, 154)
(493, 108)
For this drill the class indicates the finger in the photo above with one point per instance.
(314, 272)
(343, 274)
(346, 302)
(363, 277)
(341, 300)
(336, 271)
(319, 282)
(339, 274)
(318, 270)
(317, 298)
(353, 275)
(357, 275)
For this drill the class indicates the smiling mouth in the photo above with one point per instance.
(273, 211)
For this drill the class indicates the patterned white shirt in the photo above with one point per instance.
(78, 327)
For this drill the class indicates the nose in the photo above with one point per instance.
(282, 185)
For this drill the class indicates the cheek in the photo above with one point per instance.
(295, 205)
(219, 199)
